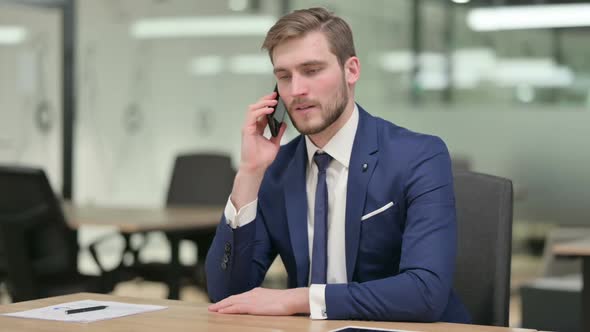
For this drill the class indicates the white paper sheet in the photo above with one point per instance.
(113, 310)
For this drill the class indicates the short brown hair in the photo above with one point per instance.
(300, 22)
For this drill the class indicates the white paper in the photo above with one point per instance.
(113, 310)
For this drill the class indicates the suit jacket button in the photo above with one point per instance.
(223, 266)
(227, 247)
(225, 258)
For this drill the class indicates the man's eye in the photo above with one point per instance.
(284, 77)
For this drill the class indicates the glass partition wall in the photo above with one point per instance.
(159, 78)
(30, 88)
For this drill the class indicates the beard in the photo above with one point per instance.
(329, 112)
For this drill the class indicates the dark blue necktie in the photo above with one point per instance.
(319, 261)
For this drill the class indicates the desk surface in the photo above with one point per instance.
(130, 220)
(574, 248)
(186, 316)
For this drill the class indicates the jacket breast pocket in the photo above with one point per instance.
(380, 210)
(380, 240)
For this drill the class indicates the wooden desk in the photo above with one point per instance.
(174, 221)
(134, 220)
(580, 248)
(186, 316)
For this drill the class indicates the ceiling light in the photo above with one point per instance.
(207, 26)
(242, 64)
(10, 35)
(534, 72)
(250, 64)
(207, 65)
(529, 17)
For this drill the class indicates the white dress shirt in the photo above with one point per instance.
(340, 148)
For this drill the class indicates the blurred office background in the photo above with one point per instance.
(156, 78)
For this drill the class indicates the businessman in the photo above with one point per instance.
(360, 210)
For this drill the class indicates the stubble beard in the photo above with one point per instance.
(329, 113)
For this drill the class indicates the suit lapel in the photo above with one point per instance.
(363, 160)
(296, 204)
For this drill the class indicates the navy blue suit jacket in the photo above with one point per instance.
(399, 263)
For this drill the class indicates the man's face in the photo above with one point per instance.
(311, 82)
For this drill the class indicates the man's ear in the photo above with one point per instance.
(352, 70)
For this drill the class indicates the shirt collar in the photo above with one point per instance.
(339, 146)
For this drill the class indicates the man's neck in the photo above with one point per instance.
(322, 138)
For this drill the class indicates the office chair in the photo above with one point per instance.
(484, 228)
(200, 179)
(2, 272)
(197, 180)
(43, 259)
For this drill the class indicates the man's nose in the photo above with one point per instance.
(298, 86)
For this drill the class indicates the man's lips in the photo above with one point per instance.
(303, 107)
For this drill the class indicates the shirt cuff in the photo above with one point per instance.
(317, 301)
(240, 218)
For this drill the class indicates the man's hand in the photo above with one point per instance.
(257, 151)
(266, 302)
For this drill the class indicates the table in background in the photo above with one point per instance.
(186, 316)
(580, 248)
(174, 221)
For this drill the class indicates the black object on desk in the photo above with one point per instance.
(75, 311)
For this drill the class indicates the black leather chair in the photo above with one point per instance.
(43, 248)
(197, 179)
(201, 179)
(484, 225)
(2, 271)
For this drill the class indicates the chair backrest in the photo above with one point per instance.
(2, 265)
(484, 228)
(34, 231)
(201, 179)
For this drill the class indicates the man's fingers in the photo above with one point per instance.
(261, 124)
(254, 115)
(271, 95)
(256, 121)
(224, 303)
(261, 104)
(259, 110)
(234, 309)
(218, 305)
(277, 140)
(260, 301)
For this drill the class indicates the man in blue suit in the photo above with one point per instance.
(360, 210)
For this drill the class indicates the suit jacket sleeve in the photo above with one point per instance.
(420, 291)
(238, 259)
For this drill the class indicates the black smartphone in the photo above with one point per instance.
(276, 118)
